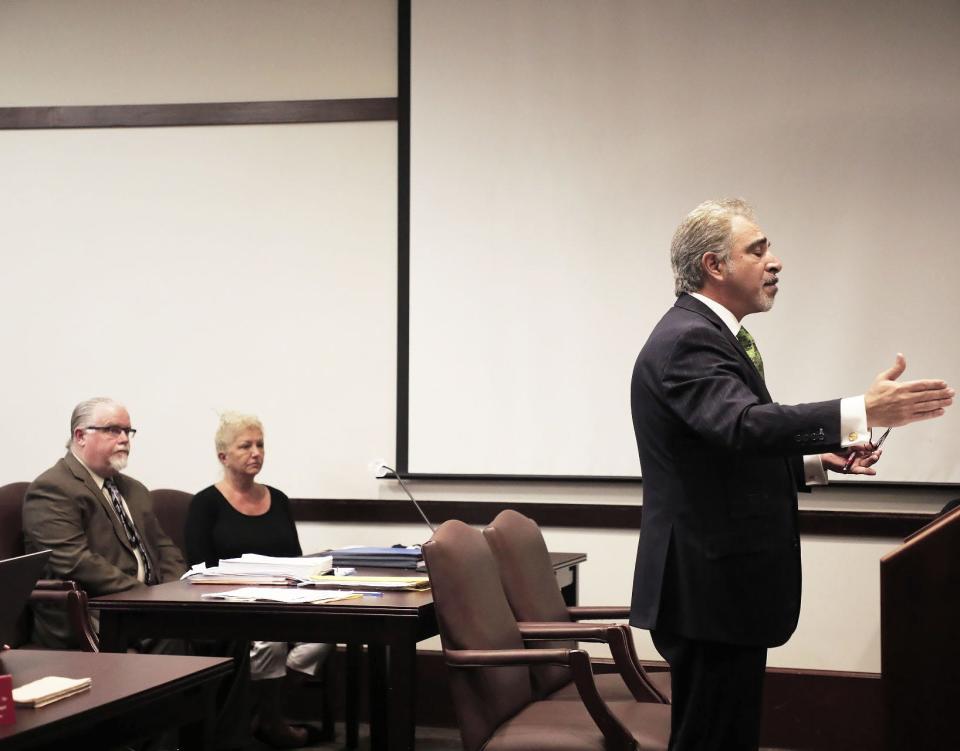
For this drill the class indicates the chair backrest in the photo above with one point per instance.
(11, 519)
(11, 542)
(170, 507)
(473, 613)
(531, 586)
(65, 596)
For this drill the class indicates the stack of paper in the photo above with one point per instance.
(395, 557)
(281, 594)
(384, 583)
(47, 690)
(260, 569)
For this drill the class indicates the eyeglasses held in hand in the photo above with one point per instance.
(854, 455)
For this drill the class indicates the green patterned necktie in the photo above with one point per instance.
(750, 347)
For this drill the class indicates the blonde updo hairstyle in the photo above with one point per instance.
(231, 425)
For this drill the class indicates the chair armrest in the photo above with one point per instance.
(604, 612)
(552, 630)
(55, 584)
(78, 613)
(620, 640)
(598, 613)
(57, 596)
(484, 658)
(66, 595)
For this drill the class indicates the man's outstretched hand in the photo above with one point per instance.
(864, 459)
(892, 403)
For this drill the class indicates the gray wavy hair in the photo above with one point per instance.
(83, 412)
(232, 423)
(705, 229)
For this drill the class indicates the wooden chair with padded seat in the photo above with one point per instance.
(532, 591)
(65, 594)
(489, 665)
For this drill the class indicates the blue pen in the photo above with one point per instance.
(373, 594)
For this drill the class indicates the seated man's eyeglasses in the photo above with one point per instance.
(115, 430)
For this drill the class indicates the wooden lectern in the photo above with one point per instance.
(920, 638)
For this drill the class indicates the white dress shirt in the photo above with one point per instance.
(141, 571)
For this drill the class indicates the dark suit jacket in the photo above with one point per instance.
(64, 511)
(719, 552)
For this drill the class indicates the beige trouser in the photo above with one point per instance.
(271, 659)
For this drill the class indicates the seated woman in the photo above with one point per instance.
(239, 515)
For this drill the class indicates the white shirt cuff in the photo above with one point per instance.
(853, 422)
(813, 471)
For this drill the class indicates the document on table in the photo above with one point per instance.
(295, 595)
(259, 569)
(384, 583)
(47, 690)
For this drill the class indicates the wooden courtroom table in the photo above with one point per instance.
(131, 696)
(390, 625)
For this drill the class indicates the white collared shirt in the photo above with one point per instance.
(853, 409)
(141, 570)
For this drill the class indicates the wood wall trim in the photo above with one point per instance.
(403, 233)
(199, 113)
(870, 524)
(853, 485)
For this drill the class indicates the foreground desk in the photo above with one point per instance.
(131, 696)
(390, 625)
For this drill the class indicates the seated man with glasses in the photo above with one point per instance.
(98, 523)
(103, 534)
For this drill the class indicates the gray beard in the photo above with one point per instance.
(118, 462)
(763, 301)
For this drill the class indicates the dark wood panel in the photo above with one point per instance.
(861, 523)
(920, 653)
(855, 485)
(583, 516)
(200, 113)
(823, 710)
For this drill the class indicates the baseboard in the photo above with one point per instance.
(822, 709)
(814, 710)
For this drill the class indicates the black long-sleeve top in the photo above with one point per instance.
(216, 530)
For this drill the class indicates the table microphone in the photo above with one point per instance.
(403, 485)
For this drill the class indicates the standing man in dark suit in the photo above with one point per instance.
(717, 577)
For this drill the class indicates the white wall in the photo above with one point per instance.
(109, 52)
(555, 146)
(187, 271)
(71, 52)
